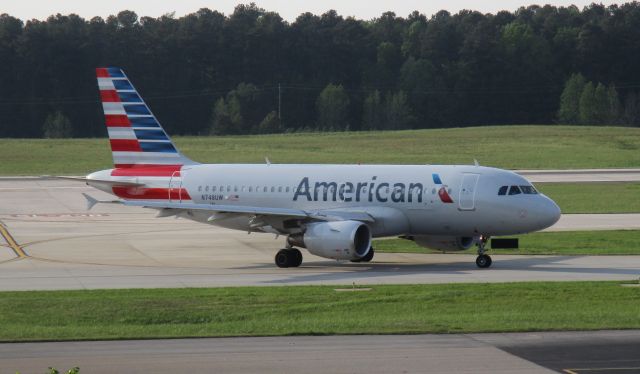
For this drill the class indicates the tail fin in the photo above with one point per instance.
(137, 138)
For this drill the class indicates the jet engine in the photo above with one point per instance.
(340, 240)
(446, 243)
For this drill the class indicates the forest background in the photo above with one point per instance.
(253, 72)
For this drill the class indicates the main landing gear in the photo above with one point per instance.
(288, 258)
(483, 261)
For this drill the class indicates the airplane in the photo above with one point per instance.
(333, 211)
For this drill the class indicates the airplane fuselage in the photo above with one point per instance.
(454, 200)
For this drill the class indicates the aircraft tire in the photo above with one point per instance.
(296, 257)
(283, 258)
(483, 261)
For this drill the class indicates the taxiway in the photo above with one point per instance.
(50, 241)
(519, 353)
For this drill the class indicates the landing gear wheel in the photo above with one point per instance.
(367, 258)
(483, 261)
(282, 258)
(286, 258)
(296, 259)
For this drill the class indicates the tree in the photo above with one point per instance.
(239, 113)
(569, 112)
(372, 112)
(397, 112)
(332, 107)
(601, 112)
(613, 101)
(270, 124)
(221, 123)
(587, 114)
(632, 109)
(57, 125)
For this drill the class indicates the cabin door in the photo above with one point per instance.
(467, 200)
(175, 187)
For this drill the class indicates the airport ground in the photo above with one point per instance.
(595, 352)
(54, 243)
(57, 244)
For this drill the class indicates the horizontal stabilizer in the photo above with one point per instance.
(92, 201)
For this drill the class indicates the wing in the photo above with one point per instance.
(258, 217)
(322, 215)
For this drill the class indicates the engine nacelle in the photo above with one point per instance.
(340, 240)
(446, 243)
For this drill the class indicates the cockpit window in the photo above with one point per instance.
(514, 190)
(503, 190)
(528, 190)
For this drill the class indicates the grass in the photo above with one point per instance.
(622, 242)
(513, 147)
(313, 310)
(594, 197)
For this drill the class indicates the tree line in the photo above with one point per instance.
(253, 72)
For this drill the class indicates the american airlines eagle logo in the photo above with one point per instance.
(442, 192)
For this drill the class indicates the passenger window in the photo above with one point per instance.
(199, 188)
(242, 188)
(235, 188)
(514, 190)
(273, 189)
(280, 189)
(221, 188)
(287, 189)
(503, 190)
(213, 188)
(264, 189)
(206, 189)
(250, 189)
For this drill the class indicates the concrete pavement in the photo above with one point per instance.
(52, 242)
(520, 353)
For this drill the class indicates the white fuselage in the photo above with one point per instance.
(406, 199)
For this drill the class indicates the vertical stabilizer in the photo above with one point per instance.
(137, 138)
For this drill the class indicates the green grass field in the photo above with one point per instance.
(514, 147)
(622, 242)
(594, 197)
(309, 310)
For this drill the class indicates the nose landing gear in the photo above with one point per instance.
(483, 261)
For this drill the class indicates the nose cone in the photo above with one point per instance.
(547, 212)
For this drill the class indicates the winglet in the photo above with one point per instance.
(91, 202)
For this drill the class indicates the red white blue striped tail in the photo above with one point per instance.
(137, 139)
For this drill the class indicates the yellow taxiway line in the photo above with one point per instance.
(12, 242)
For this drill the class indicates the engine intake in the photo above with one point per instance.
(340, 240)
